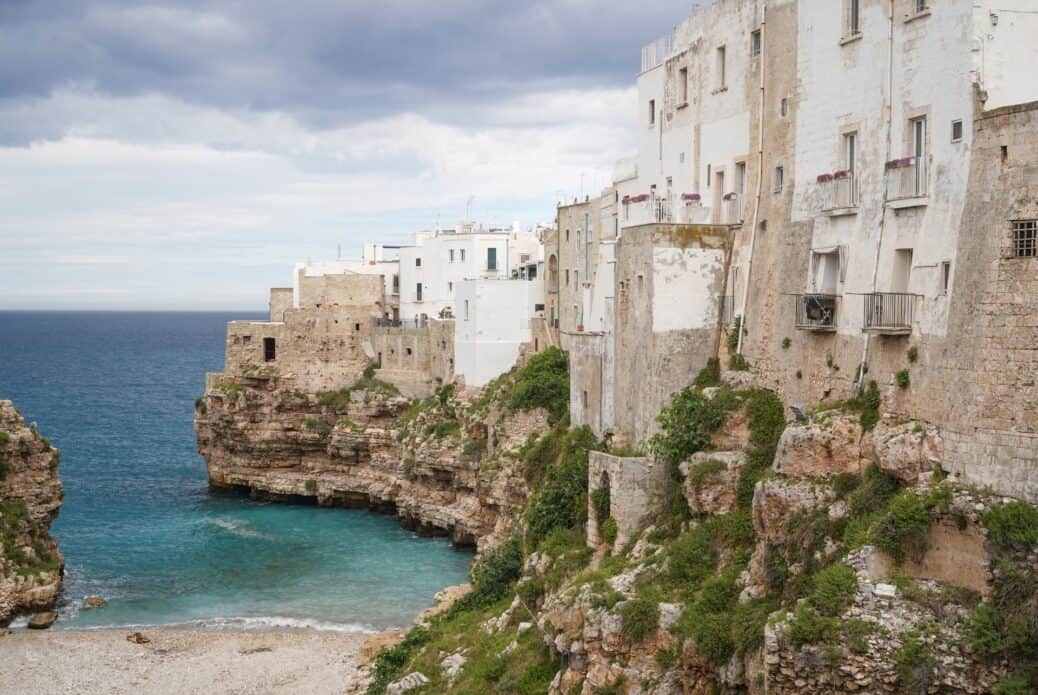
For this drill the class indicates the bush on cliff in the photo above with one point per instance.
(903, 530)
(1012, 526)
(686, 423)
(493, 575)
(638, 619)
(542, 383)
(561, 501)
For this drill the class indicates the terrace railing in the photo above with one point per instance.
(889, 313)
(816, 312)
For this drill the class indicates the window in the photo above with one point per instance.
(1025, 239)
(451, 252)
(681, 158)
(755, 43)
(740, 177)
(567, 277)
(921, 5)
(466, 310)
(463, 255)
(583, 398)
(721, 68)
(567, 236)
(576, 278)
(850, 151)
(652, 112)
(408, 350)
(784, 107)
(682, 86)
(418, 292)
(779, 179)
(945, 276)
(418, 263)
(396, 284)
(269, 350)
(491, 259)
(957, 130)
(450, 287)
(246, 339)
(918, 126)
(853, 17)
(708, 168)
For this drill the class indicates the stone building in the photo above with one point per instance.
(866, 171)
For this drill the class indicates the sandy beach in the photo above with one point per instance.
(177, 661)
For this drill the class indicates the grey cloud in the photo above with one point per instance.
(326, 62)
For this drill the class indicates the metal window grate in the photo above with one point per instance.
(1025, 238)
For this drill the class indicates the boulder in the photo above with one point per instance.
(42, 621)
(829, 444)
(408, 683)
(94, 602)
(904, 450)
(711, 479)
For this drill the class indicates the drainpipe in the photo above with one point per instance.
(760, 178)
(860, 379)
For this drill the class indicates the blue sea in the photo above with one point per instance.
(115, 393)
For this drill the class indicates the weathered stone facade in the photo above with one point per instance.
(637, 487)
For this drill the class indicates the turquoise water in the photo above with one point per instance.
(115, 393)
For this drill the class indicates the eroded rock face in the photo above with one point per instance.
(30, 497)
(828, 445)
(904, 450)
(710, 480)
(283, 444)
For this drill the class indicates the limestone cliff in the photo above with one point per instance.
(442, 464)
(30, 496)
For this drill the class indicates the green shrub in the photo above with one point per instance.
(539, 453)
(732, 340)
(766, 420)
(474, 448)
(913, 354)
(493, 575)
(915, 664)
(542, 383)
(1017, 684)
(311, 486)
(808, 627)
(443, 429)
(710, 375)
(984, 632)
(5, 438)
(776, 571)
(5, 468)
(638, 619)
(867, 404)
(904, 529)
(369, 371)
(873, 493)
(902, 379)
(536, 678)
(1012, 525)
(561, 501)
(834, 589)
(667, 658)
(389, 663)
(685, 424)
(711, 632)
(691, 558)
(786, 342)
(601, 503)
(856, 631)
(609, 531)
(531, 591)
(738, 363)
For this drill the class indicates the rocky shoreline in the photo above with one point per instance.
(31, 566)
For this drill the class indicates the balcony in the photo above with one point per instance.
(889, 313)
(816, 312)
(731, 209)
(839, 193)
(906, 182)
(658, 51)
(418, 322)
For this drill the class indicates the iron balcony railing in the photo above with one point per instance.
(816, 312)
(839, 190)
(889, 312)
(906, 178)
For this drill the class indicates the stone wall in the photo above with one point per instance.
(669, 282)
(637, 488)
(415, 359)
(280, 302)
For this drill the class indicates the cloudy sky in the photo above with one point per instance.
(184, 155)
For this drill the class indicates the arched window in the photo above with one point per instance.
(553, 270)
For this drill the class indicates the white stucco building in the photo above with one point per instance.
(436, 262)
(494, 318)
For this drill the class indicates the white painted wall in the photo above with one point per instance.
(487, 336)
(1006, 51)
(683, 297)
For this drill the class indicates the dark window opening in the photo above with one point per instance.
(408, 351)
(1025, 239)
(269, 350)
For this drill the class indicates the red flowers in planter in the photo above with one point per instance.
(691, 197)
